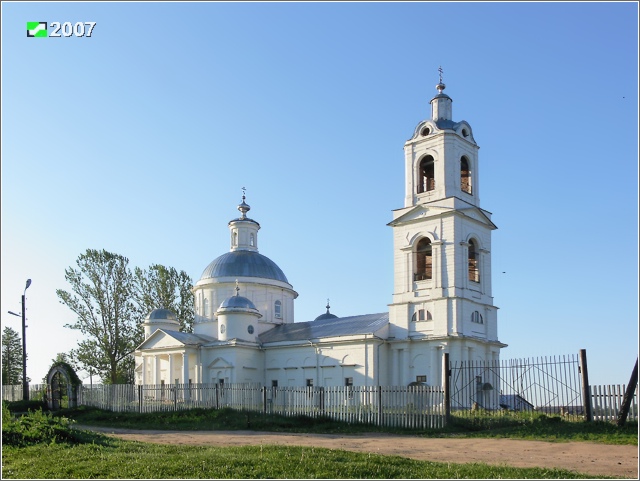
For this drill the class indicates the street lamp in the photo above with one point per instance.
(25, 383)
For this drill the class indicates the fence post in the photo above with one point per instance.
(628, 396)
(586, 392)
(175, 396)
(321, 400)
(140, 398)
(446, 372)
(264, 399)
(380, 406)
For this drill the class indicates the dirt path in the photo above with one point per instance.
(589, 458)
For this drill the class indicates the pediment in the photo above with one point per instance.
(409, 214)
(160, 339)
(479, 215)
(421, 212)
(219, 362)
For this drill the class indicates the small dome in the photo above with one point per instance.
(161, 315)
(237, 302)
(326, 315)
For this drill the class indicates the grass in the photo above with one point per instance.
(40, 445)
(516, 426)
(109, 458)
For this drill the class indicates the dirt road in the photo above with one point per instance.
(589, 458)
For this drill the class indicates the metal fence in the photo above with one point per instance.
(549, 385)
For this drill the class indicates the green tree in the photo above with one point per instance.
(102, 298)
(11, 357)
(165, 287)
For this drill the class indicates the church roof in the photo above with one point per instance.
(331, 327)
(243, 263)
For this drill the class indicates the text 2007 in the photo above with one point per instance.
(68, 29)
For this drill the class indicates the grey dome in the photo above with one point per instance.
(244, 264)
(326, 315)
(161, 315)
(237, 302)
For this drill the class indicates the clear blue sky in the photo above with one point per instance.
(139, 139)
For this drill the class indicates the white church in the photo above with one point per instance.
(244, 329)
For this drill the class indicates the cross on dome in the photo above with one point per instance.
(441, 86)
(244, 207)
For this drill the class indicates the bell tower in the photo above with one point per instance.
(442, 246)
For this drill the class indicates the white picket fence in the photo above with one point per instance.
(606, 402)
(399, 406)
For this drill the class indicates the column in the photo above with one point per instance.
(144, 370)
(170, 378)
(157, 369)
(185, 375)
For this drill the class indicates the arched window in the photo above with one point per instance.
(465, 175)
(234, 240)
(474, 271)
(206, 307)
(277, 308)
(421, 315)
(424, 260)
(252, 240)
(427, 180)
(477, 317)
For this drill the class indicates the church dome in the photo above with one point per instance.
(160, 315)
(237, 302)
(326, 315)
(242, 263)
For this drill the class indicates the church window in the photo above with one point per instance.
(425, 131)
(223, 328)
(234, 239)
(474, 272)
(477, 317)
(252, 240)
(427, 175)
(424, 260)
(250, 329)
(421, 378)
(309, 382)
(421, 315)
(465, 133)
(277, 307)
(206, 307)
(465, 175)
